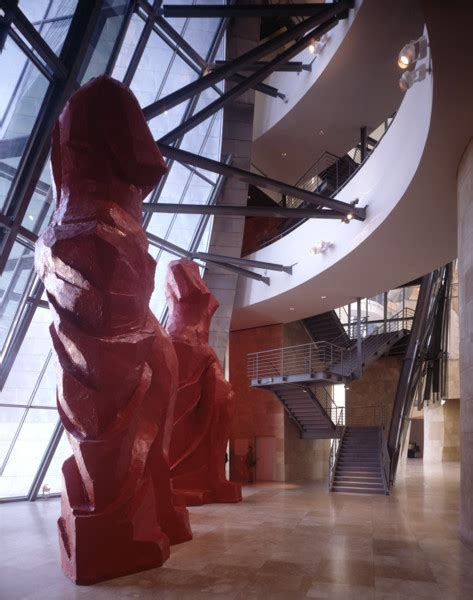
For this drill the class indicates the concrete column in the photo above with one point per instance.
(227, 232)
(465, 279)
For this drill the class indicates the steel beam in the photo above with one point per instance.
(217, 260)
(206, 11)
(241, 211)
(248, 82)
(264, 182)
(248, 58)
(244, 262)
(293, 66)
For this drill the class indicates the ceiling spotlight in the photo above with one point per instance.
(30, 217)
(311, 48)
(283, 153)
(350, 216)
(320, 247)
(321, 132)
(412, 51)
(408, 78)
(323, 297)
(291, 308)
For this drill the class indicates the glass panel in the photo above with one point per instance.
(53, 477)
(9, 420)
(14, 281)
(30, 360)
(130, 42)
(51, 18)
(41, 205)
(27, 453)
(22, 90)
(104, 46)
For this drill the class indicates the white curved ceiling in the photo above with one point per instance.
(418, 232)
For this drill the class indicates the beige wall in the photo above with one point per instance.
(442, 432)
(304, 460)
(376, 388)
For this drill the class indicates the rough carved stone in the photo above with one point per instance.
(205, 400)
(117, 367)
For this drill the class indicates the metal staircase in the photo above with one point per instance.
(313, 412)
(327, 327)
(359, 464)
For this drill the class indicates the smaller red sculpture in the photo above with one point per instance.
(205, 400)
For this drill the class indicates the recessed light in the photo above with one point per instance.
(311, 48)
(350, 216)
(30, 217)
(165, 112)
(291, 308)
(321, 132)
(323, 297)
(283, 153)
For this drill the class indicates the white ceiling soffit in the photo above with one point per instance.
(409, 185)
(354, 82)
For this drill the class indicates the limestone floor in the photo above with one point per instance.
(285, 541)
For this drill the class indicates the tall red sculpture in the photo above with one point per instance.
(205, 400)
(117, 368)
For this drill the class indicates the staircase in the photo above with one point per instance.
(358, 468)
(307, 411)
(327, 328)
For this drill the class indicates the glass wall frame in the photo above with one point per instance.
(119, 38)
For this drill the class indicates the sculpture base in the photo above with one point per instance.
(226, 493)
(98, 549)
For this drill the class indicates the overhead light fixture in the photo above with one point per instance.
(350, 216)
(291, 308)
(316, 46)
(408, 78)
(321, 132)
(323, 297)
(412, 51)
(30, 217)
(320, 247)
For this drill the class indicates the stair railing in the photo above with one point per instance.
(335, 447)
(384, 458)
(303, 359)
(371, 415)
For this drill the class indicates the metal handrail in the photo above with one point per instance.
(384, 458)
(322, 356)
(335, 447)
(378, 415)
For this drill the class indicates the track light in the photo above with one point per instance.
(316, 46)
(412, 51)
(408, 78)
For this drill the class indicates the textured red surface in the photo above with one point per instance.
(117, 368)
(205, 400)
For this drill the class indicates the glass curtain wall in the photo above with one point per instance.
(399, 303)
(130, 43)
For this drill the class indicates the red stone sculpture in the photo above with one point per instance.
(205, 400)
(117, 367)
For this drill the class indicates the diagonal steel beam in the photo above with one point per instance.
(292, 66)
(242, 211)
(264, 182)
(183, 253)
(247, 58)
(244, 262)
(205, 11)
(247, 83)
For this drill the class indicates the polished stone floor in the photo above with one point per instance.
(285, 541)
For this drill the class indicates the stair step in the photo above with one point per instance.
(354, 490)
(375, 478)
(360, 484)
